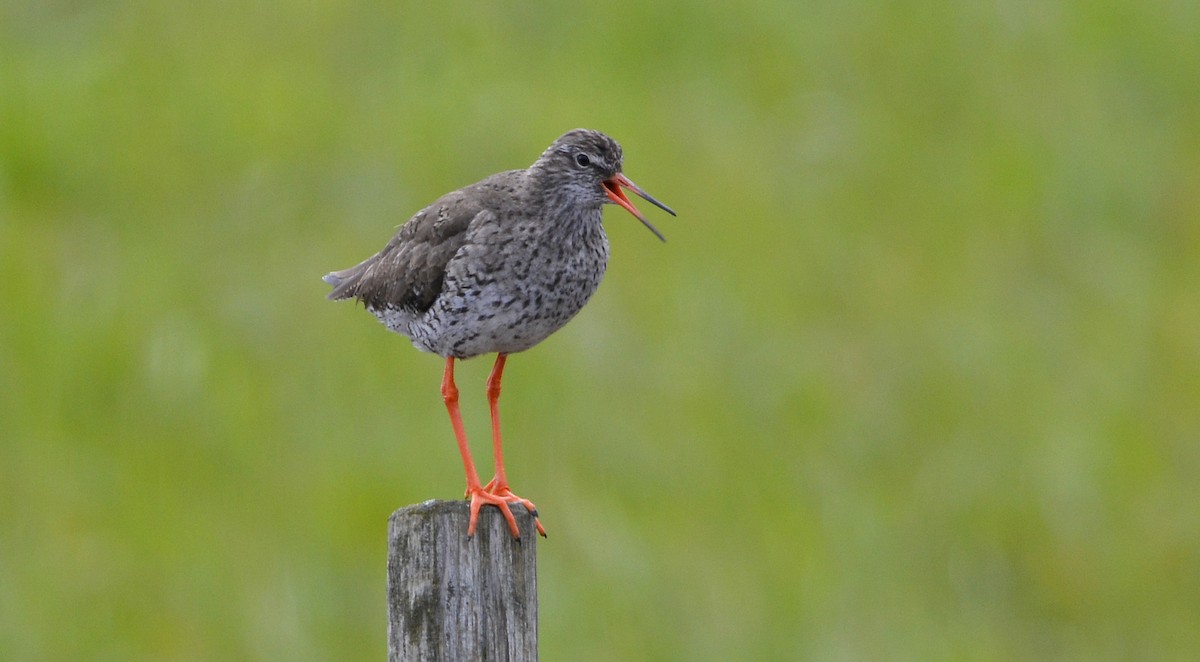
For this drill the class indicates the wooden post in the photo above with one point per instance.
(456, 598)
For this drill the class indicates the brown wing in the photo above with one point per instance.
(409, 271)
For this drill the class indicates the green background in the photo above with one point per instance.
(916, 376)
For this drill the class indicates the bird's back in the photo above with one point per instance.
(408, 273)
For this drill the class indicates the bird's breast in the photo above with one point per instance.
(509, 295)
(550, 281)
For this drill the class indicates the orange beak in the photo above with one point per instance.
(613, 186)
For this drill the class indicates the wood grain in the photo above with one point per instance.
(456, 598)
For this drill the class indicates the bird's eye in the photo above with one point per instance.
(582, 160)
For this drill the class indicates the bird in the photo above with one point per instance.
(497, 267)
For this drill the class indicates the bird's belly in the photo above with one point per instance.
(510, 314)
(495, 320)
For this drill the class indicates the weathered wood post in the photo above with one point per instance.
(454, 598)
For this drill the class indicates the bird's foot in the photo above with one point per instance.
(499, 488)
(479, 497)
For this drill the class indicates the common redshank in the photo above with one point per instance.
(498, 266)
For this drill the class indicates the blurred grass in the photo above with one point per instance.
(916, 376)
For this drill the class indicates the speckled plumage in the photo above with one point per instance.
(499, 265)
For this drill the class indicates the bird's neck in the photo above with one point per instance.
(554, 193)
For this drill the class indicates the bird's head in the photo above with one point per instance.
(584, 166)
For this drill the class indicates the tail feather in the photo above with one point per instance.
(344, 281)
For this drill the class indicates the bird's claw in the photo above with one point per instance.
(478, 498)
(500, 489)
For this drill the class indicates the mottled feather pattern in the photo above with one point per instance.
(498, 265)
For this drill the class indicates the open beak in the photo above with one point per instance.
(613, 187)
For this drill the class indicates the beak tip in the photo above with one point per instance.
(613, 189)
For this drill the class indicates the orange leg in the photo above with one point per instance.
(498, 486)
(475, 491)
